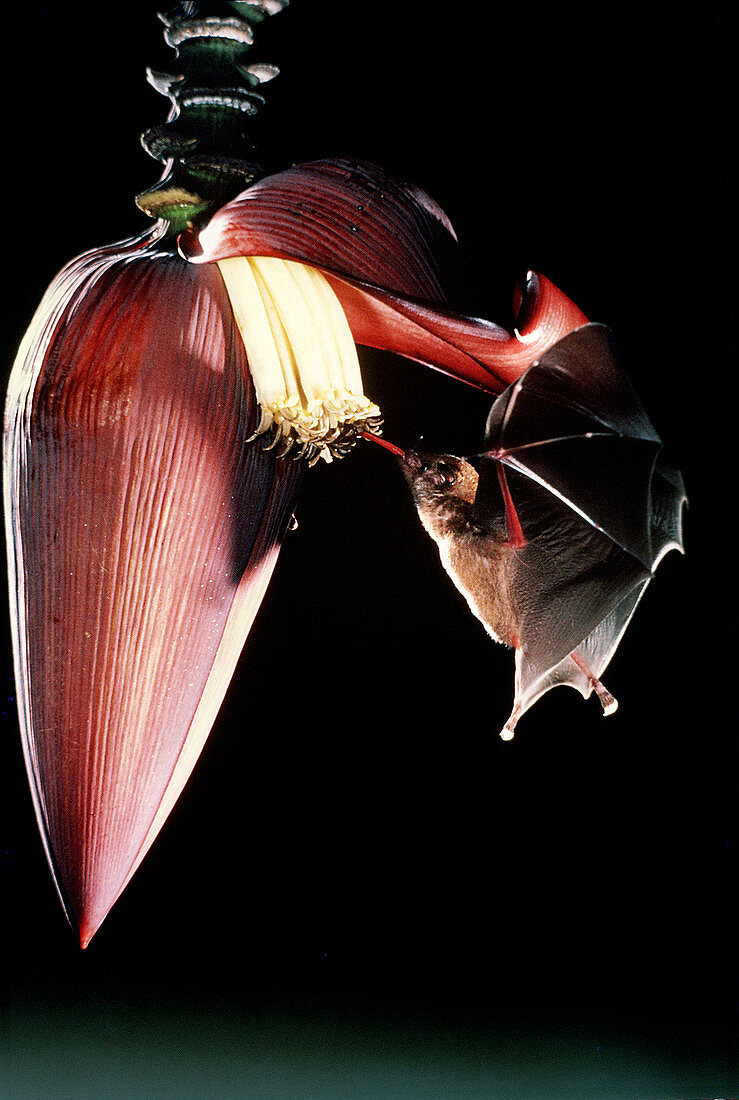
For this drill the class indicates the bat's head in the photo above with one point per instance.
(438, 479)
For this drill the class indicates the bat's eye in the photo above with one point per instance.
(443, 475)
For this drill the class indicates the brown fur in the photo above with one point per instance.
(444, 488)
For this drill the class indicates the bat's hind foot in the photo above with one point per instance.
(506, 734)
(607, 701)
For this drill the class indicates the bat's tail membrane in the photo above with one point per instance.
(533, 682)
(580, 669)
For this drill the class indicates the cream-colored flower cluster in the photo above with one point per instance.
(302, 357)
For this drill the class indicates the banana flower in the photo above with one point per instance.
(155, 413)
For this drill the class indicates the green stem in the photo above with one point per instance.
(207, 143)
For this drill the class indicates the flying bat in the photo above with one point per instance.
(554, 530)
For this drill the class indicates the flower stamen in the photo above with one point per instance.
(302, 357)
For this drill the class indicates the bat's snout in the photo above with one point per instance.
(412, 462)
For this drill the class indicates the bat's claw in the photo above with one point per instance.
(506, 734)
(607, 701)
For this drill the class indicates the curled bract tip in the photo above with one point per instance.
(383, 245)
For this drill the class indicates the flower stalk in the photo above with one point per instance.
(208, 144)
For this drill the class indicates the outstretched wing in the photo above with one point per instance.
(589, 509)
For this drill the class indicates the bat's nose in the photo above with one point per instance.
(412, 461)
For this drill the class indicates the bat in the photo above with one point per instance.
(554, 530)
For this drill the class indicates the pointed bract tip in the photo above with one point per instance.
(86, 935)
(89, 925)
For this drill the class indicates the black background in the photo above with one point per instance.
(362, 891)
